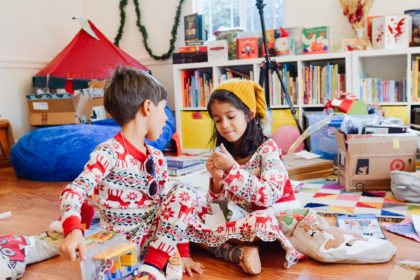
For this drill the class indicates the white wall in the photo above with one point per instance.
(309, 13)
(158, 18)
(34, 31)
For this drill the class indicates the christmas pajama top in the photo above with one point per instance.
(262, 187)
(117, 177)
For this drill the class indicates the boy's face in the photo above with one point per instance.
(157, 120)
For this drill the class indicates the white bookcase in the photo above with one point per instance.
(384, 64)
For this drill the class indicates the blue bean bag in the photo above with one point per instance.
(59, 153)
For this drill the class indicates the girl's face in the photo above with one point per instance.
(230, 122)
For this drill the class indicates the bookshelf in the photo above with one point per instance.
(315, 78)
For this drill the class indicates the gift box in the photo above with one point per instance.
(391, 32)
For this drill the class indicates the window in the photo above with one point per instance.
(239, 13)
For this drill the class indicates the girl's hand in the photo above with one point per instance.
(74, 241)
(223, 160)
(216, 174)
(189, 265)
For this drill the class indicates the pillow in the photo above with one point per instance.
(59, 153)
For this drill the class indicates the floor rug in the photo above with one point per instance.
(327, 197)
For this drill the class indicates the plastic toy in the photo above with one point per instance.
(117, 262)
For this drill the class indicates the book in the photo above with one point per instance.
(231, 36)
(318, 39)
(189, 57)
(194, 27)
(415, 26)
(173, 171)
(187, 49)
(365, 224)
(247, 48)
(296, 34)
(181, 161)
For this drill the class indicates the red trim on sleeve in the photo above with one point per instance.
(156, 257)
(184, 249)
(72, 222)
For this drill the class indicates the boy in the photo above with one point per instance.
(130, 180)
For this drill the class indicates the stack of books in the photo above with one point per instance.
(181, 165)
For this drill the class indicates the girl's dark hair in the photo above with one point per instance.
(253, 136)
(128, 89)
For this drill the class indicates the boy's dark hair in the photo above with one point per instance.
(127, 90)
(253, 136)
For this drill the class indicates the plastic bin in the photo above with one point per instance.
(323, 141)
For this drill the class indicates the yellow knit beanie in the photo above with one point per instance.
(249, 92)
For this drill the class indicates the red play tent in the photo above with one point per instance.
(83, 59)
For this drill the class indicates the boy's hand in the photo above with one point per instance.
(189, 265)
(74, 241)
(222, 160)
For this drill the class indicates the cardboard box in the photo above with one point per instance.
(304, 169)
(89, 109)
(57, 109)
(404, 271)
(391, 32)
(218, 50)
(51, 109)
(365, 161)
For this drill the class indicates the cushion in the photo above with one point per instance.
(59, 153)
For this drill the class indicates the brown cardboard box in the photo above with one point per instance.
(51, 111)
(303, 169)
(47, 109)
(85, 106)
(404, 270)
(365, 161)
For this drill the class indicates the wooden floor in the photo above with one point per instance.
(35, 204)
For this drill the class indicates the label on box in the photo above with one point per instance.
(40, 105)
(98, 113)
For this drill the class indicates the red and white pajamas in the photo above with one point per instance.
(117, 176)
(262, 187)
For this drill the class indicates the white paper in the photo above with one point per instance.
(213, 221)
(40, 105)
(237, 212)
(5, 214)
(306, 155)
(416, 222)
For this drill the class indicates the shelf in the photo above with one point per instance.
(381, 64)
(393, 103)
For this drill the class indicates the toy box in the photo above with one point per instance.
(366, 161)
(323, 142)
(391, 32)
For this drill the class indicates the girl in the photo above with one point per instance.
(246, 170)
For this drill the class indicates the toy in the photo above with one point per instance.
(112, 259)
(117, 262)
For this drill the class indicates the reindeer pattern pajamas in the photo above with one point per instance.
(262, 188)
(117, 177)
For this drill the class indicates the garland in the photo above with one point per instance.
(123, 4)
